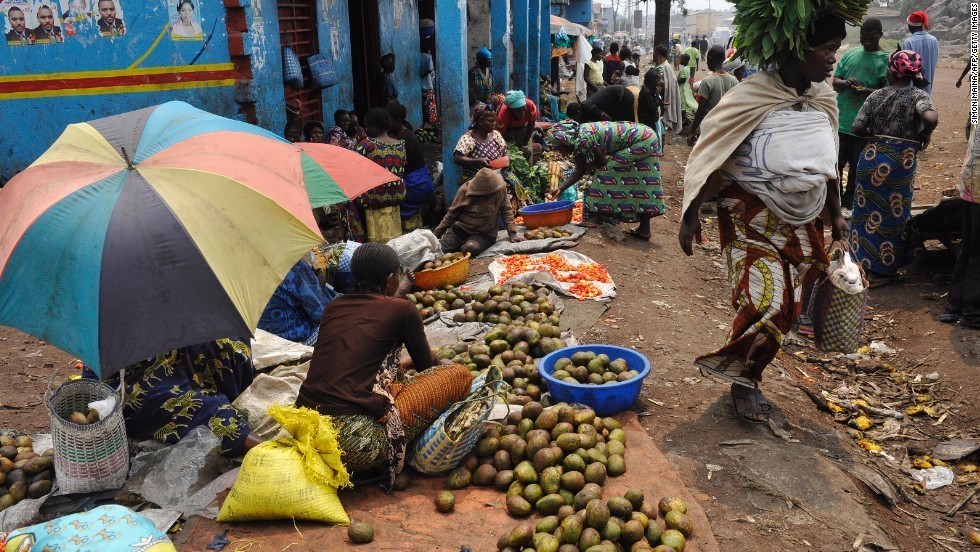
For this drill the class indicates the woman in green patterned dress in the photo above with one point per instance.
(623, 156)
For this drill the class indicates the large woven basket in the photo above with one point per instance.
(88, 458)
(449, 275)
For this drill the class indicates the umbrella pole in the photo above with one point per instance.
(129, 163)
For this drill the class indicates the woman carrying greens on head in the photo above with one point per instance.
(623, 156)
(768, 153)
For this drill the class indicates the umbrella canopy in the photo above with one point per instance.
(161, 228)
(571, 29)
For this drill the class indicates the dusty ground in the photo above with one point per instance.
(780, 488)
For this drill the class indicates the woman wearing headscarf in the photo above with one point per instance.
(430, 108)
(516, 118)
(419, 188)
(470, 225)
(899, 119)
(481, 76)
(358, 376)
(624, 158)
(480, 146)
(768, 153)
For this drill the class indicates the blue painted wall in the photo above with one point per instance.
(500, 43)
(534, 48)
(579, 11)
(452, 85)
(399, 22)
(519, 14)
(333, 14)
(88, 51)
(268, 90)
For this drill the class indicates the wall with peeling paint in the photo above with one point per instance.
(399, 26)
(333, 15)
(121, 73)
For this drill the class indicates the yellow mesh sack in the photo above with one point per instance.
(293, 477)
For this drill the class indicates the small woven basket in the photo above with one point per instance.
(88, 458)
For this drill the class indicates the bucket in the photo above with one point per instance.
(384, 223)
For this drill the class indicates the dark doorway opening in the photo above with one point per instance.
(365, 45)
(298, 30)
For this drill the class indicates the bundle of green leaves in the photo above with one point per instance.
(774, 31)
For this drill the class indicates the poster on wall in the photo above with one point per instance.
(30, 22)
(110, 14)
(76, 16)
(185, 20)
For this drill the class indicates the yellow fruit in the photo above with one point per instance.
(860, 423)
(870, 446)
(921, 464)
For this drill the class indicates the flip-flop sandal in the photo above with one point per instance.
(950, 317)
(765, 405)
(633, 234)
(747, 406)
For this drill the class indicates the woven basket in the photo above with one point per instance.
(88, 458)
(450, 275)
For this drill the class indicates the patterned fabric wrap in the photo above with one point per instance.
(416, 402)
(481, 85)
(769, 265)
(295, 308)
(430, 109)
(352, 222)
(629, 185)
(110, 527)
(883, 204)
(337, 137)
(969, 185)
(391, 157)
(838, 314)
(494, 147)
(444, 444)
(168, 396)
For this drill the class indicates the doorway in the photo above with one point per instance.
(365, 46)
(298, 30)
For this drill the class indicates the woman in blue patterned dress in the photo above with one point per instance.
(899, 119)
(169, 395)
(624, 157)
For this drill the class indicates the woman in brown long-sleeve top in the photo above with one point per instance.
(470, 225)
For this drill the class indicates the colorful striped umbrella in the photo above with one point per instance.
(160, 228)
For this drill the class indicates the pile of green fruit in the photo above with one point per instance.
(435, 301)
(545, 458)
(546, 232)
(586, 367)
(441, 261)
(621, 523)
(23, 472)
(517, 303)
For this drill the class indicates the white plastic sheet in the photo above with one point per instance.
(270, 350)
(503, 246)
(545, 278)
(416, 248)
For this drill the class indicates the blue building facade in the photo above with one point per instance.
(227, 58)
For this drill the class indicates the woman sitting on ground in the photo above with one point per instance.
(169, 395)
(899, 119)
(357, 375)
(295, 308)
(470, 225)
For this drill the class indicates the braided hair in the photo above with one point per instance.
(371, 265)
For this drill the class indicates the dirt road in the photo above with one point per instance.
(784, 487)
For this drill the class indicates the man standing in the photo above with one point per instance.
(593, 73)
(711, 89)
(18, 35)
(860, 72)
(672, 116)
(924, 44)
(703, 46)
(385, 89)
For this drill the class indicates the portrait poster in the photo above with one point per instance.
(110, 16)
(185, 20)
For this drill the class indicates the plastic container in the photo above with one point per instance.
(450, 275)
(606, 399)
(384, 223)
(552, 213)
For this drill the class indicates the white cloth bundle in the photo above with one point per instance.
(787, 161)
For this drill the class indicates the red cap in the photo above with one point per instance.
(918, 19)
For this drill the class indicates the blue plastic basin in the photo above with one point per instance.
(606, 399)
(547, 207)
